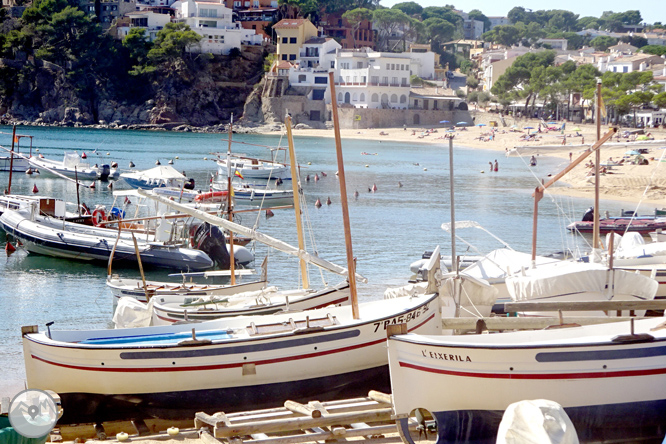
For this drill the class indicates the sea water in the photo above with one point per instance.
(390, 227)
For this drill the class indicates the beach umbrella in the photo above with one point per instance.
(553, 123)
(576, 129)
(444, 121)
(642, 138)
(462, 123)
(632, 153)
(528, 127)
(480, 124)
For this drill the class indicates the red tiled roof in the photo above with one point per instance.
(283, 64)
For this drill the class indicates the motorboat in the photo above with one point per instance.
(48, 206)
(602, 375)
(250, 169)
(160, 176)
(74, 167)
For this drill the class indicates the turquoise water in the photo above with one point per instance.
(390, 228)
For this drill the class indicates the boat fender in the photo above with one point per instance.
(98, 217)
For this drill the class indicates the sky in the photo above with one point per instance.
(651, 10)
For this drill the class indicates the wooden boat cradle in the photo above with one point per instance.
(369, 418)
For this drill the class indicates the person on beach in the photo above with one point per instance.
(490, 167)
(570, 157)
(495, 165)
(564, 139)
(533, 161)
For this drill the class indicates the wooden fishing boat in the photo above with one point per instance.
(230, 364)
(639, 225)
(173, 308)
(602, 375)
(160, 176)
(249, 168)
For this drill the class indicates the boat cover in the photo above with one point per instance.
(131, 313)
(498, 264)
(633, 246)
(159, 172)
(536, 422)
(566, 278)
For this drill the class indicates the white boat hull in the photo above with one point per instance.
(467, 382)
(105, 373)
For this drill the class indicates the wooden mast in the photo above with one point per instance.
(538, 192)
(597, 161)
(229, 210)
(351, 269)
(296, 186)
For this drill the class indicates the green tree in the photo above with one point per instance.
(172, 43)
(603, 42)
(136, 42)
(388, 21)
(475, 14)
(660, 100)
(507, 35)
(654, 49)
(412, 9)
(518, 14)
(472, 82)
(439, 30)
(355, 17)
(588, 23)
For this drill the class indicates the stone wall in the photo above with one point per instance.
(363, 118)
(275, 109)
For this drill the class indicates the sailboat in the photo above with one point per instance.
(179, 369)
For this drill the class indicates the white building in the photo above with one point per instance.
(213, 21)
(147, 19)
(422, 62)
(371, 79)
(498, 21)
(316, 59)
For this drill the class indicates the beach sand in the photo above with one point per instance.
(631, 183)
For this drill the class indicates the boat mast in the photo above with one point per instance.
(296, 186)
(229, 210)
(454, 260)
(597, 161)
(11, 160)
(351, 268)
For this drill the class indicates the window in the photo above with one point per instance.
(292, 56)
(285, 40)
(332, 64)
(318, 94)
(292, 40)
(375, 98)
(385, 80)
(625, 69)
(340, 97)
(388, 66)
(404, 81)
(394, 98)
(355, 79)
(359, 65)
(364, 79)
(205, 12)
(255, 3)
(347, 79)
(362, 97)
(374, 80)
(392, 66)
(237, 4)
(284, 56)
(403, 99)
(416, 103)
(402, 67)
(394, 80)
(321, 80)
(301, 78)
(355, 97)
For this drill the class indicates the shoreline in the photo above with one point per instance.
(625, 183)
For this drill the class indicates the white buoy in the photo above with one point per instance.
(173, 431)
(122, 436)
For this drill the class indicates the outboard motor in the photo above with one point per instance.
(210, 240)
(104, 172)
(589, 215)
(189, 185)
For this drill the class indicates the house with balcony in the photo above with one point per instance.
(333, 25)
(108, 11)
(309, 76)
(636, 62)
(213, 21)
(371, 79)
(291, 35)
(152, 20)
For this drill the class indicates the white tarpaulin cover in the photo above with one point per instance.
(496, 265)
(536, 422)
(568, 278)
(475, 296)
(131, 313)
(633, 246)
(159, 172)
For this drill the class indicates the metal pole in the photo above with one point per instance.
(11, 161)
(351, 270)
(230, 215)
(454, 261)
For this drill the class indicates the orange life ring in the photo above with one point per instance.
(98, 216)
(209, 196)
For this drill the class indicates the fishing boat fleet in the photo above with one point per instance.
(180, 348)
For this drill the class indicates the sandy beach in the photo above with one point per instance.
(626, 182)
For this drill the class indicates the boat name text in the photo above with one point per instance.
(445, 357)
(403, 318)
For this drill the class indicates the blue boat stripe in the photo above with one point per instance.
(252, 348)
(648, 352)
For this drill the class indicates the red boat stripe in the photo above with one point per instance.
(220, 366)
(545, 376)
